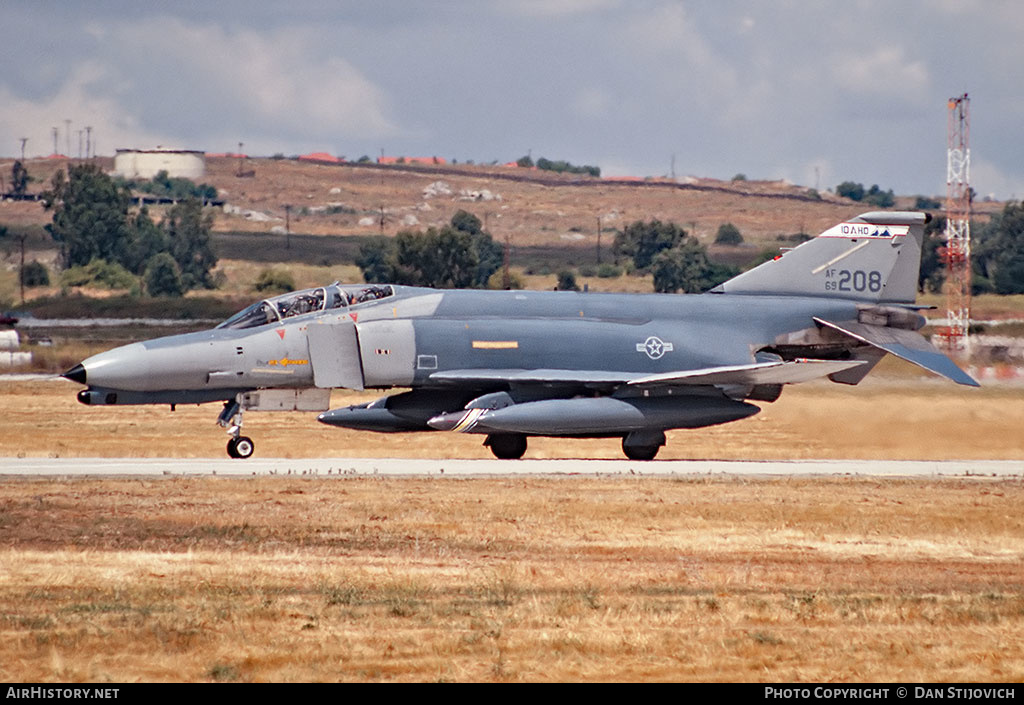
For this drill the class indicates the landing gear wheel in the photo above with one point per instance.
(241, 447)
(640, 452)
(507, 446)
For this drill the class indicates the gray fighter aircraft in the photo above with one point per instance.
(515, 364)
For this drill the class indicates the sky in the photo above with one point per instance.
(815, 92)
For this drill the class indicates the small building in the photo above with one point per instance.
(147, 163)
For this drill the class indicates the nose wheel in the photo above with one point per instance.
(241, 447)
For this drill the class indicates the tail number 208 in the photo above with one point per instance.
(852, 280)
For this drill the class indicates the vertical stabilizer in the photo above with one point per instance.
(874, 257)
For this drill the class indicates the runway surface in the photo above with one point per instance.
(467, 468)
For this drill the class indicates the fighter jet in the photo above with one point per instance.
(510, 365)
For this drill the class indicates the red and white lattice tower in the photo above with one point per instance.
(957, 252)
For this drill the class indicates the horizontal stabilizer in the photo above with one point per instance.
(904, 344)
(777, 372)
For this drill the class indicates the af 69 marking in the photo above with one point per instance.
(853, 280)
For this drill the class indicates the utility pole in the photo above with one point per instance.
(54, 140)
(21, 271)
(88, 140)
(506, 274)
(288, 226)
(67, 137)
(599, 239)
(23, 141)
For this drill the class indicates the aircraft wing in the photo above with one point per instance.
(904, 344)
(776, 372)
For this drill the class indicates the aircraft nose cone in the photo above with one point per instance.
(75, 374)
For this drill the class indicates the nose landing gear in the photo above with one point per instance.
(239, 446)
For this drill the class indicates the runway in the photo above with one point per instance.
(156, 467)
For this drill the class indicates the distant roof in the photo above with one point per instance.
(160, 150)
(319, 157)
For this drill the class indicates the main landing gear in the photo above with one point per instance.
(642, 445)
(239, 446)
(507, 446)
(638, 445)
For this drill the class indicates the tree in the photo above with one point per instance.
(999, 253)
(444, 259)
(877, 197)
(163, 278)
(145, 240)
(642, 241)
(489, 254)
(848, 189)
(89, 215)
(188, 233)
(459, 255)
(728, 234)
(19, 178)
(932, 273)
(874, 195)
(684, 267)
(376, 261)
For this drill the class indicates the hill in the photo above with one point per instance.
(532, 208)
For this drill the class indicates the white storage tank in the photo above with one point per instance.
(147, 163)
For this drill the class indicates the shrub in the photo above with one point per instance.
(275, 281)
(567, 281)
(98, 272)
(35, 274)
(728, 234)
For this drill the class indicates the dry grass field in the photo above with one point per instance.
(560, 579)
(291, 578)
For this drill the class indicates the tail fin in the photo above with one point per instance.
(874, 257)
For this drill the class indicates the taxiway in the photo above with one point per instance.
(467, 468)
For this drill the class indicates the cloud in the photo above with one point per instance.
(166, 81)
(592, 103)
(276, 77)
(989, 179)
(556, 8)
(882, 71)
(78, 99)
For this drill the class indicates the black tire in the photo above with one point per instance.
(507, 446)
(640, 452)
(241, 447)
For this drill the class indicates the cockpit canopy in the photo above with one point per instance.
(299, 303)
